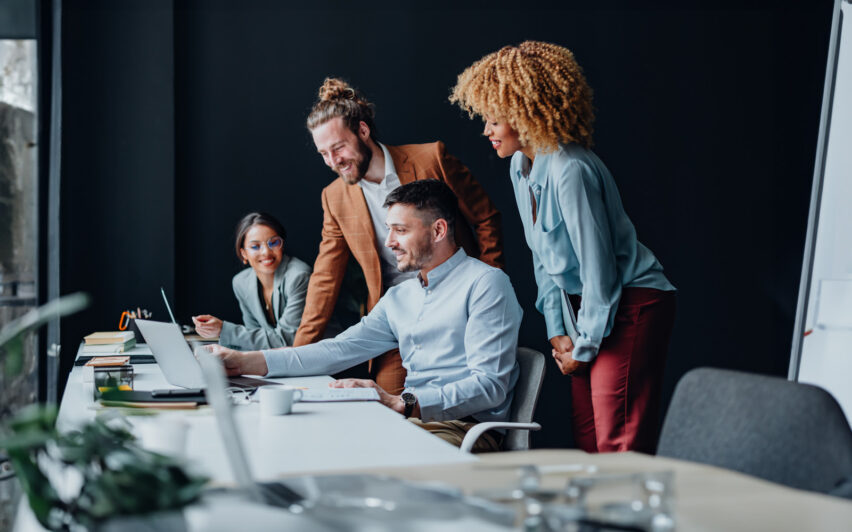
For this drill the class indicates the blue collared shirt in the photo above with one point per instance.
(582, 241)
(457, 336)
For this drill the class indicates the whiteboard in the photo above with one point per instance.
(822, 338)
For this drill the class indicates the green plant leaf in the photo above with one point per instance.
(40, 494)
(34, 418)
(25, 440)
(119, 477)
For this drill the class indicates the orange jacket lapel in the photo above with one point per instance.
(401, 163)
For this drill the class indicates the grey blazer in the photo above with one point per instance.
(288, 301)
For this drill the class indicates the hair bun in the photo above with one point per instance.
(336, 89)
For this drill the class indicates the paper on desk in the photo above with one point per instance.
(330, 395)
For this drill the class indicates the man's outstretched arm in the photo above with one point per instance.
(366, 339)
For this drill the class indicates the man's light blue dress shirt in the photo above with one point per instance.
(457, 336)
(582, 241)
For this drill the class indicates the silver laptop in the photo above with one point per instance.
(346, 501)
(273, 493)
(176, 360)
(168, 307)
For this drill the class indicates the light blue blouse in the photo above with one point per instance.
(582, 241)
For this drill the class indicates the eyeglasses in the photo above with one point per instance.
(272, 244)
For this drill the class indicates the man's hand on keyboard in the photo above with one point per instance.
(394, 402)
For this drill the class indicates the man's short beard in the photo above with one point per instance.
(419, 259)
(366, 155)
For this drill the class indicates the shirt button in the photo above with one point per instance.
(428, 291)
(417, 346)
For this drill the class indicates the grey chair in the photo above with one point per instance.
(530, 379)
(786, 432)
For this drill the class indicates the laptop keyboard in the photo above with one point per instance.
(248, 383)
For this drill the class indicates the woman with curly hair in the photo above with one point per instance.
(608, 308)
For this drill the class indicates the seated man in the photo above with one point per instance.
(455, 324)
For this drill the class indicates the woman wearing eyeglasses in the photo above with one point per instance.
(271, 292)
(538, 110)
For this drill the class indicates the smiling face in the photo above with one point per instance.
(409, 237)
(263, 249)
(503, 138)
(345, 152)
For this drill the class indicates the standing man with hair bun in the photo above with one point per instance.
(342, 125)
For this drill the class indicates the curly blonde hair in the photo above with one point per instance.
(537, 88)
(337, 99)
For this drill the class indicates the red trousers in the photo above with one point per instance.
(616, 403)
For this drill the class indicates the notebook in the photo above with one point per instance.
(333, 395)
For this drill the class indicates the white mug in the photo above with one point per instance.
(163, 434)
(278, 400)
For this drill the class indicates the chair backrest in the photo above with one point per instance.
(527, 388)
(786, 432)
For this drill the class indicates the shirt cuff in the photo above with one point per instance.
(431, 406)
(276, 362)
(585, 350)
(553, 320)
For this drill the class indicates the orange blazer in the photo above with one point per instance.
(348, 228)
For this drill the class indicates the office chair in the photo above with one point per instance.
(520, 422)
(786, 432)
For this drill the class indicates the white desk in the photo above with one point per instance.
(315, 437)
(369, 438)
(706, 498)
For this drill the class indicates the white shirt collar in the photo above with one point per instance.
(391, 179)
(390, 169)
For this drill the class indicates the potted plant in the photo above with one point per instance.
(83, 479)
(93, 478)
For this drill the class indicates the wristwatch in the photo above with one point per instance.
(409, 400)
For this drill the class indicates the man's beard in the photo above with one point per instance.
(418, 257)
(365, 156)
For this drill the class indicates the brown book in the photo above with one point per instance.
(109, 337)
(110, 348)
(100, 362)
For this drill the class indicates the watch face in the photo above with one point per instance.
(409, 399)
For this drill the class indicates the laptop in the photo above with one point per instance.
(331, 502)
(272, 493)
(168, 307)
(176, 360)
(186, 329)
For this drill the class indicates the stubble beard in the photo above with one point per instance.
(419, 257)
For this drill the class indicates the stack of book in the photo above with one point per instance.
(109, 342)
